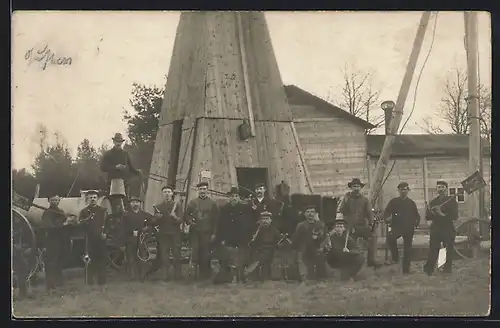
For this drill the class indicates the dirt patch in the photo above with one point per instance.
(383, 292)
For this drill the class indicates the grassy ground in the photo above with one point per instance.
(383, 292)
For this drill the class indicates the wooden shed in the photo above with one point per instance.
(422, 160)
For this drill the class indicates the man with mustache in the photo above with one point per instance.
(118, 165)
(402, 215)
(309, 240)
(442, 229)
(202, 214)
(357, 211)
(134, 221)
(169, 236)
(93, 219)
(53, 220)
(234, 231)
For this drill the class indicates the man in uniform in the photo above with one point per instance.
(442, 212)
(344, 254)
(134, 221)
(260, 202)
(117, 164)
(234, 231)
(168, 217)
(402, 215)
(357, 211)
(93, 219)
(53, 220)
(264, 243)
(202, 214)
(310, 240)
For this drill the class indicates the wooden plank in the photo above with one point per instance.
(425, 180)
(301, 155)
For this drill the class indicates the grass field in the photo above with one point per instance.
(383, 292)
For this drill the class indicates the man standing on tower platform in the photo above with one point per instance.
(357, 212)
(202, 214)
(441, 212)
(117, 163)
(403, 218)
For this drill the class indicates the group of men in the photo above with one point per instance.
(243, 236)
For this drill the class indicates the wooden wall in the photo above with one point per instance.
(411, 170)
(334, 149)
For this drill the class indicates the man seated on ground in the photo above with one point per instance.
(343, 254)
(309, 241)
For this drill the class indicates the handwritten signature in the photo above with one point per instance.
(45, 56)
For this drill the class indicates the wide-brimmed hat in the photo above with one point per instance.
(355, 181)
(118, 137)
(233, 191)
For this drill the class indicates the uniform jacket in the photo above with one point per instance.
(235, 226)
(167, 223)
(134, 221)
(357, 211)
(404, 213)
(303, 239)
(94, 226)
(116, 156)
(203, 212)
(266, 237)
(450, 209)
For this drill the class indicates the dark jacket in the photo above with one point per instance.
(404, 213)
(303, 240)
(202, 215)
(167, 223)
(134, 221)
(95, 226)
(267, 204)
(53, 218)
(116, 156)
(266, 237)
(450, 209)
(235, 226)
(357, 211)
(338, 243)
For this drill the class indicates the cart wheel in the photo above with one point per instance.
(24, 242)
(474, 230)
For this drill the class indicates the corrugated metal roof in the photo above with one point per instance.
(423, 144)
(298, 96)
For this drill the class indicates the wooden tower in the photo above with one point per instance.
(224, 115)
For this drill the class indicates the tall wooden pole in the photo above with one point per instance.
(470, 19)
(398, 111)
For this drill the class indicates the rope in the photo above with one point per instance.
(414, 102)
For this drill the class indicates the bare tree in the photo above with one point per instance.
(358, 95)
(453, 107)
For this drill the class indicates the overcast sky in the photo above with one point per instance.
(111, 50)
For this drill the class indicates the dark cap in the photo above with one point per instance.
(260, 184)
(442, 183)
(52, 194)
(135, 198)
(266, 214)
(233, 191)
(168, 187)
(310, 206)
(403, 185)
(340, 221)
(202, 184)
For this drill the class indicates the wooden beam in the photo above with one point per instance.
(470, 19)
(302, 158)
(246, 80)
(398, 111)
(425, 180)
